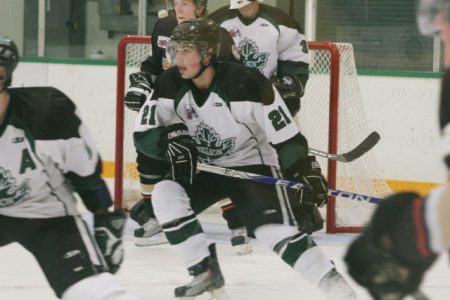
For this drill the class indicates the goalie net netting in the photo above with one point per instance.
(332, 118)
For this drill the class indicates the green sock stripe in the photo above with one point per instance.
(179, 234)
(295, 248)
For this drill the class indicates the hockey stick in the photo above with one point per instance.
(282, 182)
(369, 142)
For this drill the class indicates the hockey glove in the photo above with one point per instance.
(291, 90)
(141, 85)
(181, 153)
(142, 211)
(391, 256)
(108, 234)
(308, 172)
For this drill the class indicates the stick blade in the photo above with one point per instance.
(370, 141)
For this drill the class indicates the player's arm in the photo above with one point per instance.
(228, 50)
(293, 63)
(444, 119)
(292, 147)
(142, 82)
(75, 154)
(161, 135)
(293, 52)
(153, 63)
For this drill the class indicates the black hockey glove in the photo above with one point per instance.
(141, 86)
(181, 153)
(391, 255)
(308, 172)
(142, 211)
(308, 218)
(291, 90)
(108, 234)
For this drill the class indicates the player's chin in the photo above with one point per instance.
(184, 72)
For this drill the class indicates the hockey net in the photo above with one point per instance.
(332, 118)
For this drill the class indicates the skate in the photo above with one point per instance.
(150, 234)
(335, 287)
(210, 281)
(240, 241)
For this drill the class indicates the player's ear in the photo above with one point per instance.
(209, 55)
(200, 12)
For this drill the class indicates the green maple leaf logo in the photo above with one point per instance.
(10, 193)
(209, 145)
(250, 55)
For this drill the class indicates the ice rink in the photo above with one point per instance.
(154, 272)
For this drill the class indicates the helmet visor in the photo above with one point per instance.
(182, 52)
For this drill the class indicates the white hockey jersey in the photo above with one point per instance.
(235, 123)
(273, 42)
(46, 153)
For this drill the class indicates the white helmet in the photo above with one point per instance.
(427, 11)
(236, 4)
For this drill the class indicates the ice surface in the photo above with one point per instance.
(154, 272)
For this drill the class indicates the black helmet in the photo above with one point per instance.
(200, 4)
(202, 33)
(9, 56)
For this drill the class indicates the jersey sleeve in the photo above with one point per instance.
(444, 118)
(228, 50)
(293, 52)
(280, 127)
(153, 64)
(83, 167)
(74, 153)
(154, 116)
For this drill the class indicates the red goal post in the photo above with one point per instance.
(332, 118)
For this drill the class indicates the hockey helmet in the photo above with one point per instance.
(236, 4)
(9, 56)
(202, 34)
(200, 4)
(427, 11)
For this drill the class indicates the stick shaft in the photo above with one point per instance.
(282, 182)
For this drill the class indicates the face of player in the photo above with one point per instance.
(188, 60)
(250, 10)
(2, 78)
(444, 27)
(184, 10)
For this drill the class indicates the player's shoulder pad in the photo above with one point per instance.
(168, 84)
(240, 83)
(47, 112)
(222, 14)
(279, 17)
(164, 26)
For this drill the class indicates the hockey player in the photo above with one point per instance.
(273, 42)
(407, 232)
(46, 156)
(151, 171)
(231, 116)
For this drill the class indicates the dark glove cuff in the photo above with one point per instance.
(173, 132)
(302, 167)
(114, 221)
(96, 199)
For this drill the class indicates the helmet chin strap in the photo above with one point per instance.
(202, 69)
(5, 84)
(200, 72)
